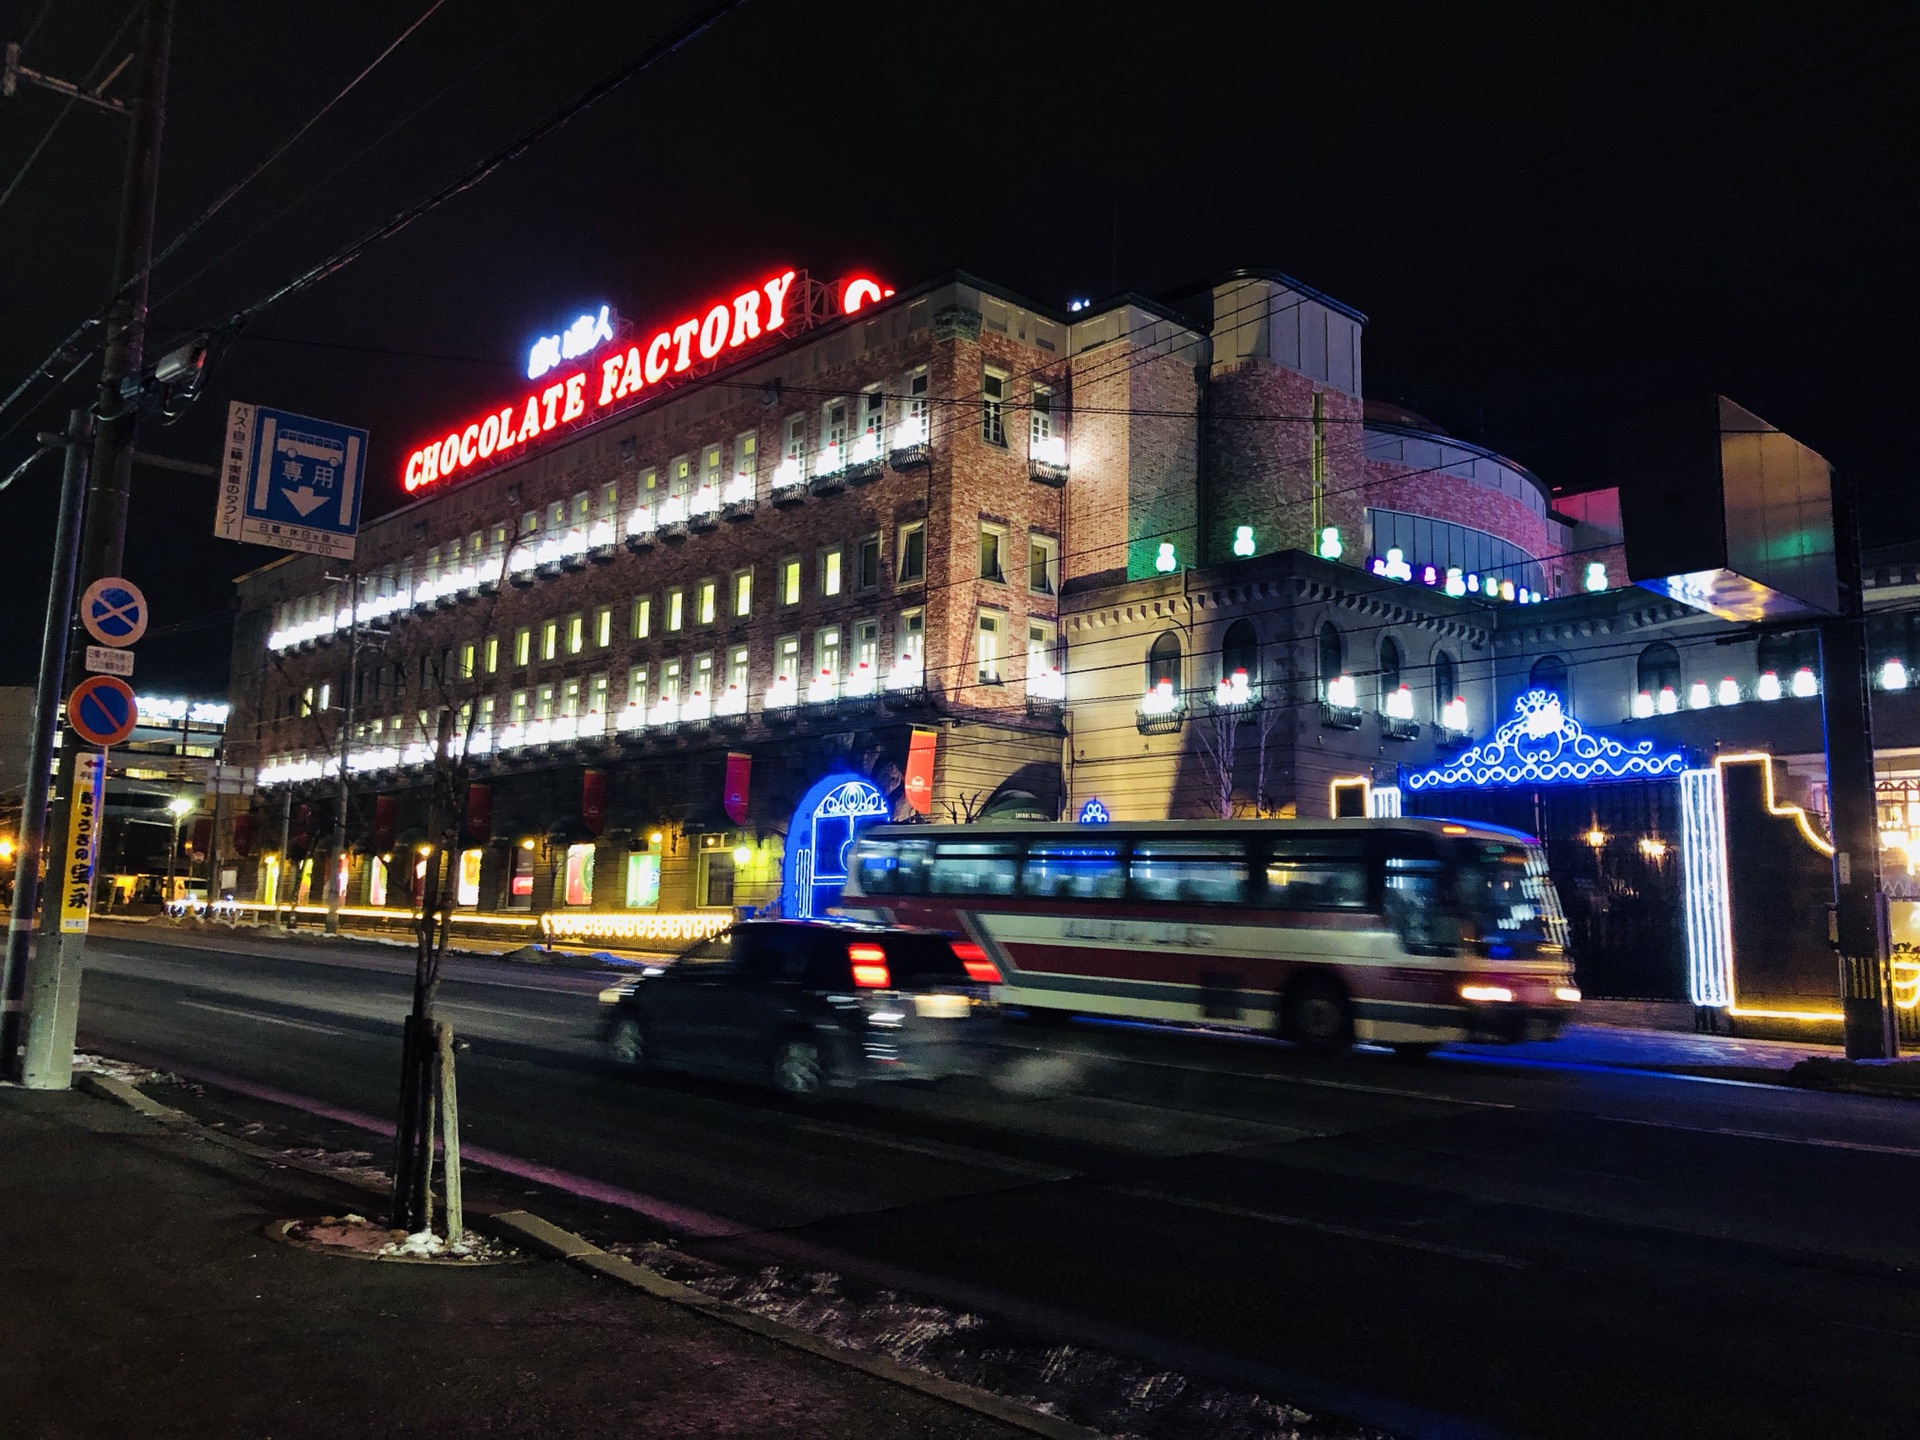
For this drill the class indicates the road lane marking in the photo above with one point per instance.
(265, 1019)
(937, 1150)
(1868, 1146)
(1298, 1222)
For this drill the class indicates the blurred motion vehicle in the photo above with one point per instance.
(806, 1005)
(1407, 932)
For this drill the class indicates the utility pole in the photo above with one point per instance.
(54, 982)
(1846, 706)
(337, 881)
(33, 848)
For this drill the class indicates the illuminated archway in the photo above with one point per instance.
(820, 841)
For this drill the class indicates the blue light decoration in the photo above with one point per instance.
(1543, 745)
(1703, 870)
(820, 841)
(1094, 812)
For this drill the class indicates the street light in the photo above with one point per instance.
(178, 808)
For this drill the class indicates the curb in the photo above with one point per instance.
(526, 1229)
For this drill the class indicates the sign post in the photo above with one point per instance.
(290, 481)
(53, 988)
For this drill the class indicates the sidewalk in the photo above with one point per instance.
(139, 1296)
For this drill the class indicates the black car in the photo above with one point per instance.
(803, 1005)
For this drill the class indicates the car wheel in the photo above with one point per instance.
(799, 1069)
(1318, 1020)
(629, 1043)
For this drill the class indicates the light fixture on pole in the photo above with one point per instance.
(177, 808)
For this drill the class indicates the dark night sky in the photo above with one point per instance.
(1549, 219)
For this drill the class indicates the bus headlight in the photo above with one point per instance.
(1568, 993)
(1498, 994)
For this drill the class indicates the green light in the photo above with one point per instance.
(1596, 577)
(1243, 540)
(1165, 562)
(1330, 546)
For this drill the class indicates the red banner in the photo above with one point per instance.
(479, 813)
(243, 836)
(593, 801)
(385, 807)
(739, 775)
(919, 779)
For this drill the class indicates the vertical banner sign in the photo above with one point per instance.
(83, 843)
(231, 508)
(919, 779)
(739, 776)
(593, 801)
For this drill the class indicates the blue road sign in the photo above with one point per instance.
(102, 710)
(114, 611)
(291, 481)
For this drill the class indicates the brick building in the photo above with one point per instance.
(837, 537)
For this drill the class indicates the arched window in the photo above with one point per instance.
(1550, 673)
(1240, 650)
(1333, 657)
(1163, 661)
(1446, 685)
(1389, 668)
(1658, 680)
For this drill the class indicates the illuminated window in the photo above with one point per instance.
(603, 626)
(742, 594)
(493, 654)
(1446, 685)
(670, 683)
(737, 659)
(642, 621)
(1043, 564)
(993, 406)
(833, 429)
(913, 552)
(710, 469)
(543, 703)
(676, 610)
(1041, 637)
(637, 688)
(826, 652)
(597, 686)
(916, 419)
(576, 634)
(1389, 669)
(993, 552)
(376, 881)
(786, 656)
(794, 446)
(486, 716)
(579, 875)
(746, 458)
(1332, 658)
(467, 887)
(516, 710)
(866, 647)
(649, 482)
(1163, 661)
(610, 500)
(468, 653)
(790, 580)
(679, 475)
(830, 571)
(643, 882)
(569, 701)
(549, 639)
(911, 635)
(582, 512)
(989, 644)
(873, 416)
(1040, 423)
(556, 516)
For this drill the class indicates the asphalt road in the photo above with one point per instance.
(1440, 1247)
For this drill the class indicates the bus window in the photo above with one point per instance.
(891, 867)
(1299, 880)
(1062, 869)
(1418, 907)
(975, 867)
(1198, 872)
(1502, 896)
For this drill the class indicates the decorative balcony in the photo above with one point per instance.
(829, 470)
(1396, 716)
(1047, 461)
(601, 542)
(1162, 711)
(1452, 731)
(670, 522)
(730, 710)
(909, 447)
(1340, 704)
(640, 529)
(860, 694)
(703, 510)
(865, 464)
(789, 483)
(737, 502)
(782, 702)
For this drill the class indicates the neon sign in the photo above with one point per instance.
(820, 841)
(726, 325)
(582, 337)
(1094, 812)
(1543, 745)
(861, 290)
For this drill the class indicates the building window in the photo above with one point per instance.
(569, 705)
(1549, 672)
(830, 571)
(1658, 674)
(1040, 424)
(543, 703)
(597, 687)
(1163, 661)
(873, 417)
(794, 447)
(676, 610)
(642, 623)
(866, 568)
(833, 434)
(989, 646)
(710, 476)
(993, 550)
(1041, 640)
(1389, 669)
(786, 657)
(993, 407)
(866, 649)
(911, 637)
(1446, 685)
(517, 712)
(706, 610)
(790, 580)
(746, 461)
(737, 660)
(637, 688)
(716, 878)
(1240, 653)
(576, 634)
(916, 417)
(549, 639)
(702, 681)
(679, 476)
(1333, 659)
(610, 501)
(603, 627)
(826, 653)
(522, 646)
(493, 654)
(649, 482)
(468, 653)
(1043, 565)
(742, 594)
(913, 552)
(670, 683)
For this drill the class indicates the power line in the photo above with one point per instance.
(72, 100)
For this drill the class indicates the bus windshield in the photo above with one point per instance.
(1503, 893)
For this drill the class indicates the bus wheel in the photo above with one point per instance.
(1317, 1018)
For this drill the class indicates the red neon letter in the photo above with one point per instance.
(610, 377)
(506, 427)
(576, 397)
(631, 381)
(713, 332)
(469, 440)
(858, 293)
(777, 299)
(683, 332)
(746, 317)
(450, 454)
(657, 358)
(530, 422)
(489, 436)
(429, 464)
(550, 398)
(413, 471)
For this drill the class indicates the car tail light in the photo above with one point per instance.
(869, 967)
(979, 967)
